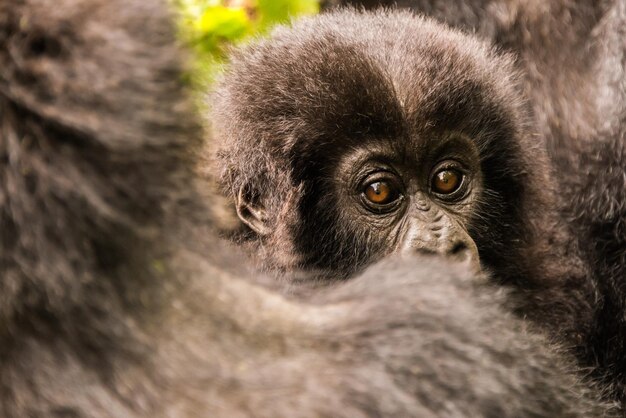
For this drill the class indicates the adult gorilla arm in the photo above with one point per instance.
(118, 301)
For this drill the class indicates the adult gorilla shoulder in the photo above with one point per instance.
(117, 300)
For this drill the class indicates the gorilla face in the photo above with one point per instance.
(346, 142)
(397, 195)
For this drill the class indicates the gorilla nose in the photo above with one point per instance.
(462, 251)
(458, 250)
(442, 236)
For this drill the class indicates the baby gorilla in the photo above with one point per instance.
(344, 139)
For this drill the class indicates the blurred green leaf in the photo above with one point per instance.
(210, 27)
(218, 25)
(280, 11)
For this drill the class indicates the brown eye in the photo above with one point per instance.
(380, 193)
(447, 181)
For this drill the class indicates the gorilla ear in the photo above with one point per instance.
(251, 210)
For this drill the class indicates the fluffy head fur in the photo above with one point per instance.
(293, 104)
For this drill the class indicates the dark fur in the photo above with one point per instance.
(293, 104)
(117, 301)
(573, 58)
(556, 236)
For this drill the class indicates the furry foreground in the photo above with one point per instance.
(116, 299)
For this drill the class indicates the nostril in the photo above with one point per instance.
(458, 248)
(426, 251)
(44, 45)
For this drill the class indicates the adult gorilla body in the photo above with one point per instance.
(117, 301)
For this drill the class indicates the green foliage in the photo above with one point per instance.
(217, 25)
(210, 27)
(280, 11)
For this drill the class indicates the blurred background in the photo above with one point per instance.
(211, 27)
